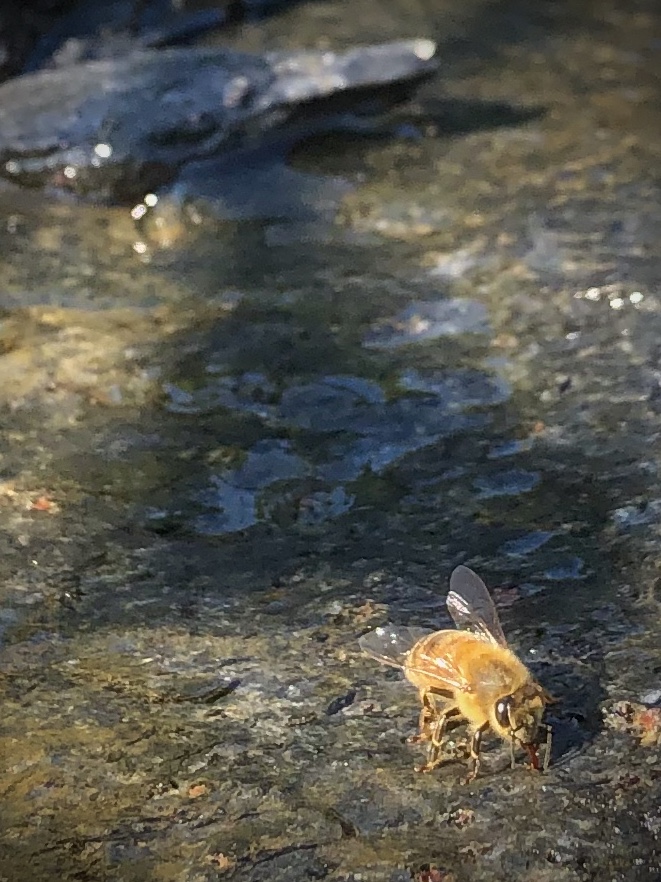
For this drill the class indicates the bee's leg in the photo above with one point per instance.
(427, 715)
(476, 742)
(547, 749)
(533, 750)
(434, 757)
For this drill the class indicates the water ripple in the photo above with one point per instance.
(508, 483)
(345, 426)
(527, 543)
(428, 320)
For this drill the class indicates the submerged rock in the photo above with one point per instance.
(114, 129)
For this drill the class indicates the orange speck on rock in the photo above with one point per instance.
(220, 861)
(44, 503)
(649, 723)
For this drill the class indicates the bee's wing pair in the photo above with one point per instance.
(471, 608)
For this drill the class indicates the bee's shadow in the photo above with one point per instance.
(575, 716)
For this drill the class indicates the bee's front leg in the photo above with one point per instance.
(476, 743)
(533, 750)
(547, 748)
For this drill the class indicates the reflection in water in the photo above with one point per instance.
(334, 404)
(341, 427)
(234, 496)
(429, 320)
(528, 543)
(509, 483)
(648, 512)
(509, 448)
(350, 428)
(459, 389)
(567, 569)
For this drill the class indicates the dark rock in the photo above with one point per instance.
(115, 129)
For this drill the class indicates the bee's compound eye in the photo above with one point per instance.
(502, 712)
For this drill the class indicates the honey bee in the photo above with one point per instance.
(468, 674)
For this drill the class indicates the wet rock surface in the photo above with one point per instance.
(229, 453)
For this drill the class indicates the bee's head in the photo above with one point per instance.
(517, 717)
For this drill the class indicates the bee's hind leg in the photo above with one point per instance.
(434, 756)
(428, 714)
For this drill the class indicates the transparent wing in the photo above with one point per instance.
(440, 673)
(472, 608)
(391, 644)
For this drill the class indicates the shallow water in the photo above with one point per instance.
(232, 447)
